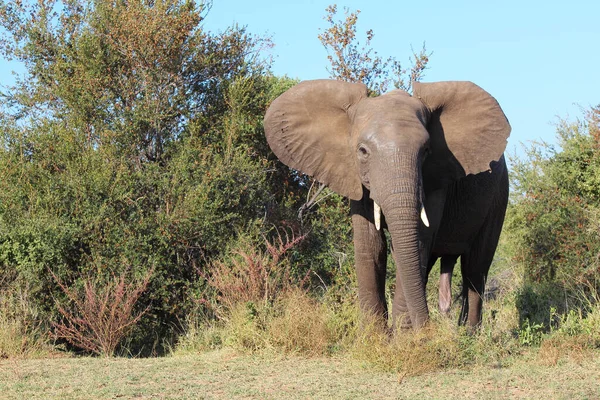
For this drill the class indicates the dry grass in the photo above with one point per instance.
(296, 346)
(291, 321)
(301, 326)
(225, 374)
(408, 353)
(443, 345)
(20, 335)
(576, 337)
(295, 323)
(17, 341)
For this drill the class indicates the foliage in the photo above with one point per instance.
(134, 86)
(530, 333)
(553, 218)
(137, 142)
(102, 313)
(350, 61)
(552, 225)
(251, 276)
(262, 302)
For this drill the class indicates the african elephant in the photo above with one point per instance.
(428, 167)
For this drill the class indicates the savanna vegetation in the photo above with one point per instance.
(142, 212)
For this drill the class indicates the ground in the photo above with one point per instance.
(225, 374)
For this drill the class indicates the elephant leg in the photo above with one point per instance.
(474, 277)
(445, 290)
(370, 254)
(476, 263)
(431, 262)
(401, 315)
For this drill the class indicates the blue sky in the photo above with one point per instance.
(538, 58)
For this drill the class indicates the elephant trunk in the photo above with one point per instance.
(402, 207)
(411, 302)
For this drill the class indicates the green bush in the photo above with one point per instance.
(132, 148)
(552, 227)
(553, 218)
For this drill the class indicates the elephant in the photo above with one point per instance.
(428, 167)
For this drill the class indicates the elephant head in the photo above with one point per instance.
(396, 148)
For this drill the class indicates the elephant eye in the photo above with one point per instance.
(363, 152)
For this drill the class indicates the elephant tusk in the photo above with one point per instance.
(424, 217)
(377, 213)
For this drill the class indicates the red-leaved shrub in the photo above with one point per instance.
(100, 315)
(251, 274)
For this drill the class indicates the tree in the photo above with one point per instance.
(554, 215)
(133, 141)
(128, 73)
(350, 61)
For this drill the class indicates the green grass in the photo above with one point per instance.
(226, 374)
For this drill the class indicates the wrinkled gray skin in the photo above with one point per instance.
(440, 149)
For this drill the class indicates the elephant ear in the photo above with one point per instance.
(308, 129)
(468, 129)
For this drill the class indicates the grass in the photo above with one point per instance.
(20, 337)
(286, 343)
(297, 324)
(300, 347)
(18, 341)
(225, 374)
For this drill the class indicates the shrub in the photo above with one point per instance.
(553, 217)
(250, 275)
(101, 314)
(121, 142)
(552, 223)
